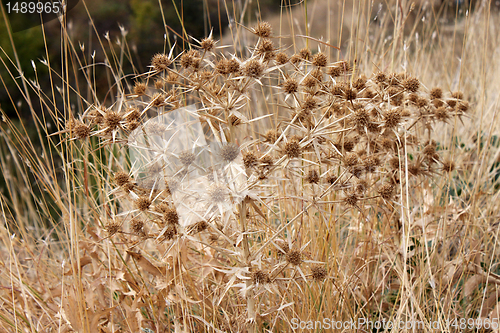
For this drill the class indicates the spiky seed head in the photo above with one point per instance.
(318, 273)
(463, 106)
(310, 103)
(221, 66)
(160, 62)
(112, 228)
(436, 93)
(351, 199)
(361, 118)
(143, 203)
(380, 77)
(229, 152)
(260, 277)
(320, 59)
(112, 119)
(290, 85)
(253, 68)
(448, 165)
(133, 114)
(337, 89)
(411, 84)
(441, 114)
(139, 88)
(413, 98)
(263, 30)
(371, 163)
(369, 94)
(305, 53)
(334, 71)
(281, 58)
(451, 102)
(218, 194)
(292, 149)
(200, 226)
(266, 161)
(386, 191)
(121, 178)
(233, 66)
(265, 46)
(457, 94)
(80, 130)
(351, 160)
(422, 102)
(394, 163)
(392, 118)
(170, 216)
(186, 158)
(317, 73)
(169, 233)
(137, 227)
(295, 59)
(190, 59)
(415, 169)
(360, 186)
(331, 179)
(294, 257)
(158, 99)
(345, 67)
(207, 44)
(271, 136)
(350, 94)
(250, 160)
(360, 83)
(309, 82)
(312, 177)
(437, 103)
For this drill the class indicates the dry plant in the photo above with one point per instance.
(247, 189)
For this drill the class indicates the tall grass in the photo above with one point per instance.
(348, 174)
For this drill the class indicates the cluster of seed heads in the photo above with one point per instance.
(335, 130)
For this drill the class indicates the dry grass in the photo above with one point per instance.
(344, 184)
